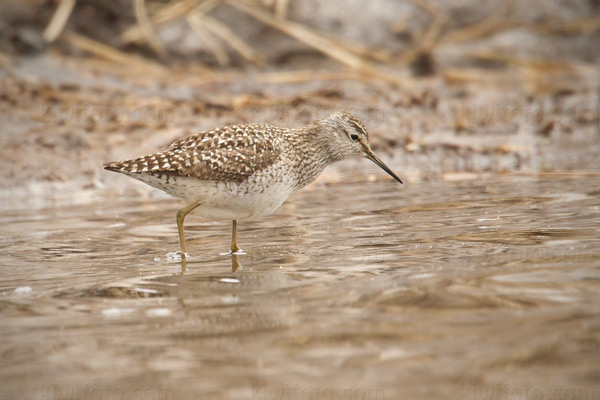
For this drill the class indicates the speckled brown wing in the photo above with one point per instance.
(232, 153)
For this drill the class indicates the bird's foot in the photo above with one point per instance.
(236, 251)
(177, 256)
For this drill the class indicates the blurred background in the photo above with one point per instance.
(445, 87)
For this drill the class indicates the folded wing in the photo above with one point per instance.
(232, 153)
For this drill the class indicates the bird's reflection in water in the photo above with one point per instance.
(235, 264)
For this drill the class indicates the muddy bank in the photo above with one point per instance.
(63, 117)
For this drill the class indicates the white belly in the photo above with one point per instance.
(223, 200)
(227, 201)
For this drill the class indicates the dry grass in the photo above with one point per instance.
(112, 54)
(141, 15)
(365, 60)
(195, 20)
(59, 19)
(227, 35)
(169, 13)
(319, 42)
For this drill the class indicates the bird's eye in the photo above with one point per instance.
(354, 137)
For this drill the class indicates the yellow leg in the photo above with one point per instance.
(234, 245)
(180, 218)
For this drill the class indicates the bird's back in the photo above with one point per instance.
(227, 154)
(237, 171)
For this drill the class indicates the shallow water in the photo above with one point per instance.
(478, 289)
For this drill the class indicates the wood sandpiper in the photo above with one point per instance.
(244, 171)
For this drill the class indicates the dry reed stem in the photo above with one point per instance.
(59, 20)
(195, 21)
(167, 14)
(281, 7)
(495, 25)
(226, 34)
(545, 75)
(359, 49)
(540, 66)
(454, 76)
(536, 76)
(141, 14)
(110, 53)
(482, 29)
(581, 25)
(495, 22)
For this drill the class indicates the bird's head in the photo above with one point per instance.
(349, 137)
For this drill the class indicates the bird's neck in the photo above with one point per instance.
(311, 151)
(324, 142)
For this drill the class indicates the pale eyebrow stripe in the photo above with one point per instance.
(359, 127)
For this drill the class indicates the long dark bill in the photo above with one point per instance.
(384, 167)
